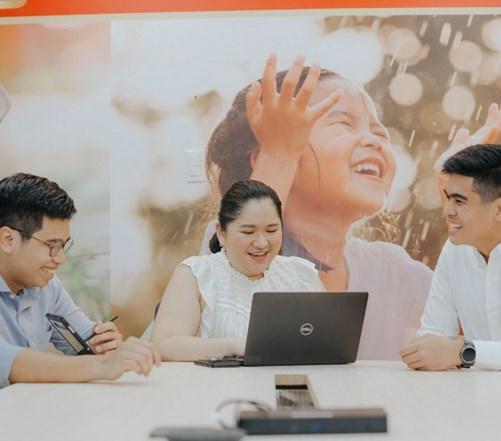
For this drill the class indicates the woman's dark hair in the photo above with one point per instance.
(26, 199)
(235, 199)
(482, 162)
(232, 143)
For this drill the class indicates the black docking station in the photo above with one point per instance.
(302, 421)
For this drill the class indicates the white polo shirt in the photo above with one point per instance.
(466, 294)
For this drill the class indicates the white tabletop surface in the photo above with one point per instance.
(455, 405)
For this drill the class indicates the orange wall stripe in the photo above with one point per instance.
(86, 7)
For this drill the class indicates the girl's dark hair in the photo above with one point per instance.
(235, 199)
(232, 142)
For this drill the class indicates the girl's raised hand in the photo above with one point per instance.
(280, 121)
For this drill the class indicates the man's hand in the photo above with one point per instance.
(433, 353)
(131, 355)
(107, 338)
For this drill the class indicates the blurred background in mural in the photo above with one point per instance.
(174, 80)
(120, 114)
(57, 77)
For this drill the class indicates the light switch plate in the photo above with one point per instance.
(195, 165)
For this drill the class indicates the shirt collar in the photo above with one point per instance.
(479, 258)
(495, 253)
(4, 288)
(24, 293)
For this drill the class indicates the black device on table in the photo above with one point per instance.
(215, 362)
(197, 434)
(282, 422)
(66, 331)
(297, 328)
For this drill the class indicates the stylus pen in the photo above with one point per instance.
(94, 334)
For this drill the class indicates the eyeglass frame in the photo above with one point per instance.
(54, 249)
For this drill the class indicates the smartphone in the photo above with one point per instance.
(219, 362)
(66, 331)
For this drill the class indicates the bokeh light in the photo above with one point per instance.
(459, 103)
(353, 53)
(490, 70)
(466, 56)
(403, 44)
(491, 34)
(406, 89)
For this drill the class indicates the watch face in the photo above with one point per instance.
(468, 354)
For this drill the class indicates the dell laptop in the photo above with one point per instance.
(287, 328)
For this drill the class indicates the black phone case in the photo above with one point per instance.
(53, 319)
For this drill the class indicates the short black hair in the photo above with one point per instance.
(482, 162)
(26, 199)
(234, 201)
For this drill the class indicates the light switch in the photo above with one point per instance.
(195, 170)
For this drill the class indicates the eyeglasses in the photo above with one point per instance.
(55, 245)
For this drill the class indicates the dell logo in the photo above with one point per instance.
(306, 329)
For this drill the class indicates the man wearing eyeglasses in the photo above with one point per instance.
(35, 216)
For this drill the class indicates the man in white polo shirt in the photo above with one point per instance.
(461, 324)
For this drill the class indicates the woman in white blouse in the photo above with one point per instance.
(205, 308)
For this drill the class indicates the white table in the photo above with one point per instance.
(456, 405)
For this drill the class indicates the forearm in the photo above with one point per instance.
(186, 348)
(277, 172)
(32, 366)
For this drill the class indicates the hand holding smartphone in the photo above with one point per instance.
(66, 331)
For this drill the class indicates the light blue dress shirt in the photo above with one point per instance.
(23, 323)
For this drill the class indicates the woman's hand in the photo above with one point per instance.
(281, 122)
(489, 133)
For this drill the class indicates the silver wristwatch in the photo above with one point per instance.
(468, 354)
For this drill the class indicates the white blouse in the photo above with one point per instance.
(228, 293)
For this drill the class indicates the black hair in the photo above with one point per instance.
(234, 200)
(232, 143)
(26, 199)
(482, 162)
